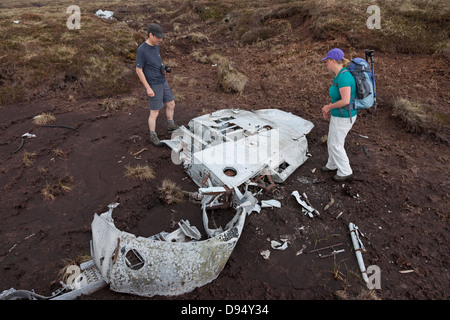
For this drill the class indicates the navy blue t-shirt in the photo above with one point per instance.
(148, 58)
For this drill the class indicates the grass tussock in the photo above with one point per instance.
(41, 56)
(420, 119)
(230, 79)
(119, 104)
(29, 158)
(43, 119)
(170, 192)
(139, 172)
(63, 185)
(363, 295)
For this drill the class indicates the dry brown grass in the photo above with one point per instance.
(29, 158)
(63, 185)
(362, 295)
(66, 272)
(120, 104)
(139, 172)
(43, 119)
(60, 153)
(420, 119)
(40, 56)
(230, 79)
(170, 192)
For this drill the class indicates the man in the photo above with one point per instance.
(151, 73)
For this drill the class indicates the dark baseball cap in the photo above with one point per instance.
(155, 30)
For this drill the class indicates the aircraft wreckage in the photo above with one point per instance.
(225, 153)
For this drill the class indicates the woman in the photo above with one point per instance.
(342, 92)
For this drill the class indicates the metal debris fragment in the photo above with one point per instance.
(278, 245)
(329, 204)
(299, 252)
(359, 247)
(270, 203)
(265, 254)
(332, 253)
(307, 209)
(229, 148)
(140, 151)
(366, 151)
(406, 271)
(28, 135)
(152, 266)
(309, 203)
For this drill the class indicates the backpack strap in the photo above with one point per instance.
(351, 104)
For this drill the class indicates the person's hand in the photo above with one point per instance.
(150, 92)
(326, 111)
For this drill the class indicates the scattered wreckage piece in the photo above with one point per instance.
(329, 204)
(272, 203)
(85, 283)
(278, 245)
(306, 209)
(359, 247)
(162, 264)
(229, 147)
(309, 203)
(332, 253)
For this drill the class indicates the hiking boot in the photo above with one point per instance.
(155, 140)
(172, 127)
(325, 169)
(341, 178)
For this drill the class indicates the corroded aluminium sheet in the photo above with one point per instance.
(149, 267)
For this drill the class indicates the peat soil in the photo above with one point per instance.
(398, 195)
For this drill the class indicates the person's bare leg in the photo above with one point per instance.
(170, 109)
(152, 119)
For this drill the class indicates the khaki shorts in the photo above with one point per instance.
(163, 94)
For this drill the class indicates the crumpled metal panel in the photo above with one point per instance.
(243, 141)
(149, 267)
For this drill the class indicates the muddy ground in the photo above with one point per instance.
(398, 196)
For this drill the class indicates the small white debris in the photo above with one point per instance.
(270, 203)
(104, 14)
(278, 245)
(299, 252)
(406, 271)
(265, 254)
(28, 135)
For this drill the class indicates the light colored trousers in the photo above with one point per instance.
(337, 157)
